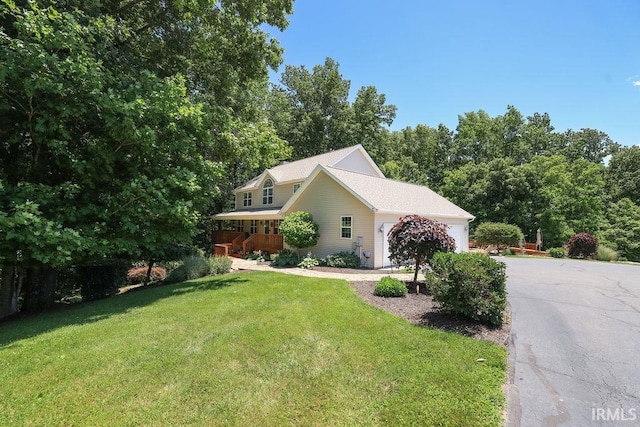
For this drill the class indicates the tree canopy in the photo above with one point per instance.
(299, 230)
(110, 129)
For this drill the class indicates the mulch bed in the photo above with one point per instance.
(420, 309)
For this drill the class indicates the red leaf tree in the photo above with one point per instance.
(416, 238)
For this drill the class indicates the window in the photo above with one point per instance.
(296, 187)
(240, 226)
(253, 229)
(267, 192)
(247, 199)
(346, 224)
(265, 224)
(276, 226)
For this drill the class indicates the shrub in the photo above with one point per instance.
(309, 261)
(178, 274)
(469, 285)
(285, 258)
(606, 254)
(498, 234)
(102, 279)
(557, 252)
(257, 256)
(582, 245)
(390, 287)
(138, 274)
(195, 266)
(342, 259)
(219, 264)
(191, 267)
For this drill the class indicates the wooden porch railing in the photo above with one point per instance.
(225, 236)
(236, 244)
(270, 243)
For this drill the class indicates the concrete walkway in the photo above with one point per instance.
(372, 275)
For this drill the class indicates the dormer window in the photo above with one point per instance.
(267, 192)
(296, 187)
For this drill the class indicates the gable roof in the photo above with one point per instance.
(383, 195)
(299, 170)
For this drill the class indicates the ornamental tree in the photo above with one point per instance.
(299, 230)
(416, 238)
(498, 234)
(582, 245)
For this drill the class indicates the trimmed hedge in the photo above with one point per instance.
(390, 287)
(469, 285)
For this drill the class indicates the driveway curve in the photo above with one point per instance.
(575, 343)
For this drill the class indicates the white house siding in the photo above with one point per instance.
(459, 230)
(356, 162)
(328, 201)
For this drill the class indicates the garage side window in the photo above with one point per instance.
(346, 226)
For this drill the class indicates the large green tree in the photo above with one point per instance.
(622, 229)
(109, 126)
(623, 174)
(312, 112)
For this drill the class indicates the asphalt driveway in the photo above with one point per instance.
(574, 344)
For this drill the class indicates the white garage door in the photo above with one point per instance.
(456, 231)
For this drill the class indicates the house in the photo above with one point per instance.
(350, 199)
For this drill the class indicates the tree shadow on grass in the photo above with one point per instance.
(25, 326)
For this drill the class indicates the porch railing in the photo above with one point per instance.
(225, 236)
(270, 243)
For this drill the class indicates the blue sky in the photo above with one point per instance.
(579, 61)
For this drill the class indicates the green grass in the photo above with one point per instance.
(243, 349)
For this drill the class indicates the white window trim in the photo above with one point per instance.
(247, 199)
(267, 192)
(350, 227)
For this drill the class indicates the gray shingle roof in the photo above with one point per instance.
(390, 196)
(300, 169)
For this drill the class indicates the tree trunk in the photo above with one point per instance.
(40, 289)
(147, 278)
(415, 274)
(8, 292)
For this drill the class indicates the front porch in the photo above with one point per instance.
(239, 243)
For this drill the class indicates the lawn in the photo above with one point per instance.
(243, 349)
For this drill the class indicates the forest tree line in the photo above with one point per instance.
(125, 125)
